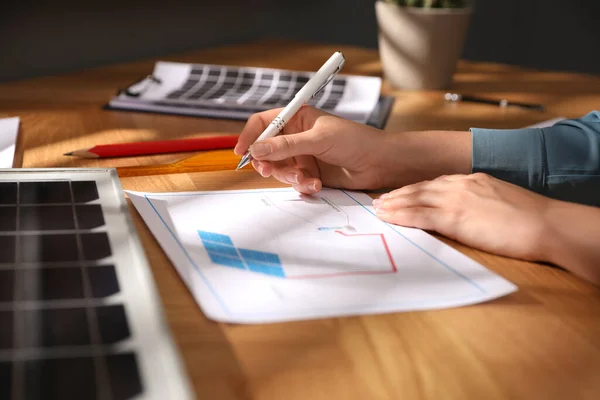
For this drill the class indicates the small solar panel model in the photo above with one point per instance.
(79, 314)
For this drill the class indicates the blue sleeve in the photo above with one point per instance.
(561, 161)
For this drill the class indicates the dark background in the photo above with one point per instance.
(57, 36)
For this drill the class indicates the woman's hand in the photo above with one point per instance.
(477, 210)
(501, 218)
(316, 149)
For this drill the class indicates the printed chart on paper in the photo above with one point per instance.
(271, 255)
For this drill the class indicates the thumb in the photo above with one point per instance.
(286, 146)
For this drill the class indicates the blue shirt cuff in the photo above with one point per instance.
(513, 155)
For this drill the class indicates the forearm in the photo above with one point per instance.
(574, 239)
(411, 157)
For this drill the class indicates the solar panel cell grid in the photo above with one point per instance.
(54, 333)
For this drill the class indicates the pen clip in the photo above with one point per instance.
(330, 78)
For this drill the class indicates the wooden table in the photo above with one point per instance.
(542, 342)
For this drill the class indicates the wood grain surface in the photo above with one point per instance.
(542, 342)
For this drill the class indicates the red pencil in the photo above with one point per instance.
(158, 147)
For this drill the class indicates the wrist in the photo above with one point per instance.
(551, 240)
(411, 157)
(570, 229)
(573, 230)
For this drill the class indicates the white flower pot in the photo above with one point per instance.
(419, 48)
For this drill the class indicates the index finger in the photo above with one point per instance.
(255, 125)
(303, 120)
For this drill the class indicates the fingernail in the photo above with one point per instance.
(384, 196)
(313, 187)
(260, 149)
(292, 177)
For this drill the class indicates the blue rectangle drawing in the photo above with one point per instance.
(227, 261)
(264, 257)
(220, 249)
(215, 238)
(266, 269)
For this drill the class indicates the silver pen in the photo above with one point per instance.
(316, 83)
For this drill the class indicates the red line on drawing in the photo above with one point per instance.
(387, 250)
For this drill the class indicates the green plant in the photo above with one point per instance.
(430, 3)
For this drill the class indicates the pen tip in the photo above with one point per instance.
(68, 154)
(243, 162)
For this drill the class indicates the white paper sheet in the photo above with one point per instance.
(238, 92)
(258, 256)
(9, 128)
